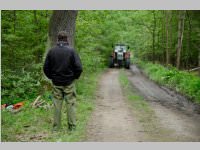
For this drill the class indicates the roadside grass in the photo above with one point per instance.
(183, 82)
(144, 113)
(35, 124)
(131, 93)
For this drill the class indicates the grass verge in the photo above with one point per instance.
(35, 124)
(180, 81)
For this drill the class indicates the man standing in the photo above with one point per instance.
(63, 65)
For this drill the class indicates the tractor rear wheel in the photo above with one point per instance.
(111, 62)
(127, 63)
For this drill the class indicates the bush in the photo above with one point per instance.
(20, 86)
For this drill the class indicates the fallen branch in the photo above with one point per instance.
(36, 100)
(194, 69)
(39, 103)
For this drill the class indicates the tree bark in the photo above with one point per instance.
(158, 44)
(14, 20)
(163, 38)
(167, 37)
(170, 35)
(188, 40)
(35, 17)
(180, 36)
(46, 14)
(13, 63)
(62, 20)
(153, 35)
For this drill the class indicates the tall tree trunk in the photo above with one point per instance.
(46, 14)
(62, 20)
(14, 20)
(180, 36)
(170, 36)
(158, 43)
(154, 32)
(35, 17)
(167, 36)
(13, 62)
(37, 30)
(188, 40)
(163, 38)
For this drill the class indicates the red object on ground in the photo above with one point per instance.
(3, 106)
(18, 105)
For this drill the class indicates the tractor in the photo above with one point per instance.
(120, 56)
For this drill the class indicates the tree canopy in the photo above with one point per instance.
(152, 35)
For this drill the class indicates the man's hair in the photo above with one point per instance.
(62, 36)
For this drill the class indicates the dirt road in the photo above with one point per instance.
(114, 119)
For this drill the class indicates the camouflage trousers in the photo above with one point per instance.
(67, 94)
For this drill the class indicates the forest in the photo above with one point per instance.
(164, 43)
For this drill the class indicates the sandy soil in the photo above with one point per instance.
(114, 120)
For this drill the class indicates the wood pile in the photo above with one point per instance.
(40, 103)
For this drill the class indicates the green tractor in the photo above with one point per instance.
(120, 56)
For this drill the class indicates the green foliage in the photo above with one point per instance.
(92, 61)
(180, 81)
(24, 36)
(124, 80)
(24, 85)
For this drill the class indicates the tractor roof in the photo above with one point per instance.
(120, 44)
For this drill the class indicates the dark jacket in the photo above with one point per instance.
(62, 65)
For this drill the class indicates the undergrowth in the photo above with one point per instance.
(35, 124)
